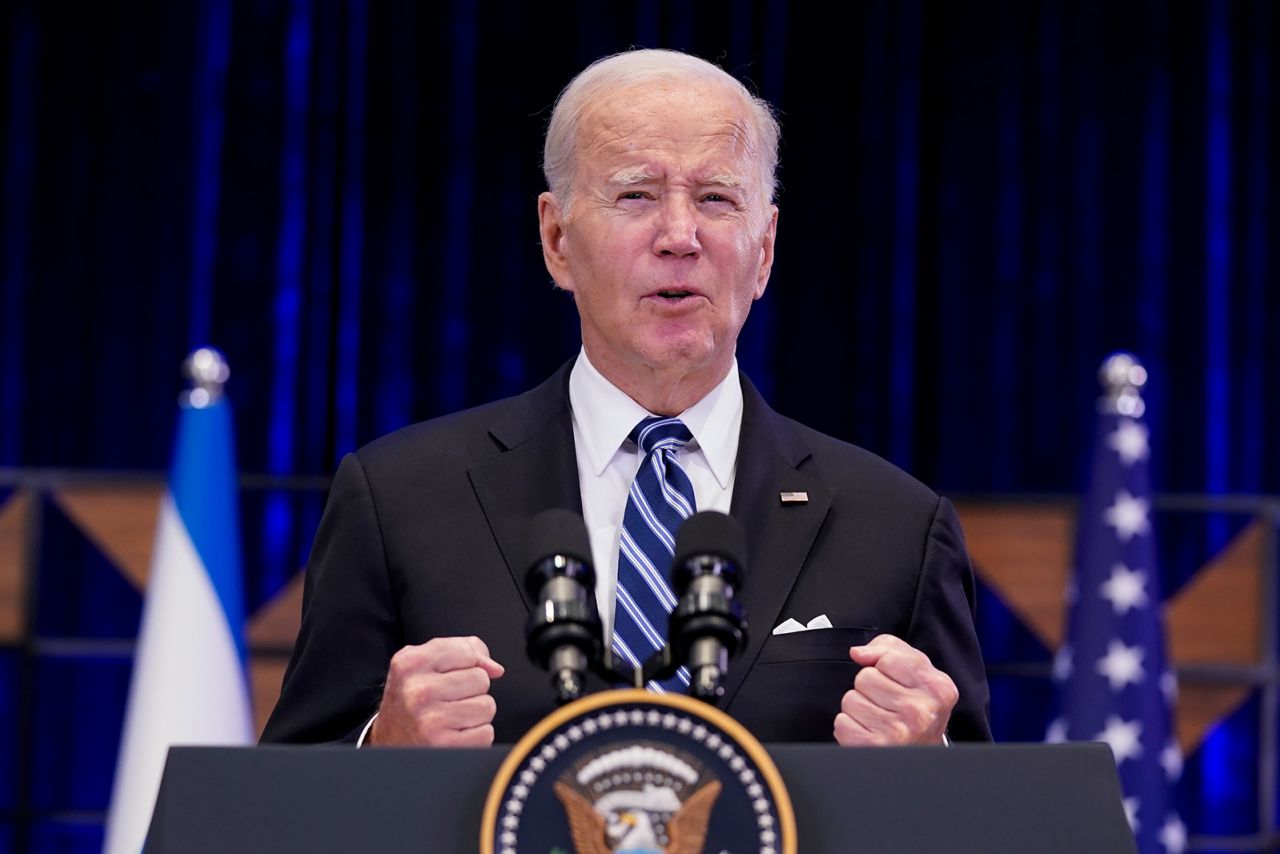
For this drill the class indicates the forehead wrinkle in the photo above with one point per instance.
(625, 131)
(722, 167)
(604, 131)
(741, 137)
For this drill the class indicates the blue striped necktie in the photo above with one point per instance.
(661, 497)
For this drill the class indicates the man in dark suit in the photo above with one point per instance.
(659, 221)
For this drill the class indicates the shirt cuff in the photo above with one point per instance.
(364, 733)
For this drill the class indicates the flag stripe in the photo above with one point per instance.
(203, 483)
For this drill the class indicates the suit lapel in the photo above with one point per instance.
(536, 470)
(779, 536)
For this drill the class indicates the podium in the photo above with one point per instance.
(984, 799)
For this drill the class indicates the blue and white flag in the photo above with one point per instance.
(189, 679)
(1112, 669)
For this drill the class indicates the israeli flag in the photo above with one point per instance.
(189, 678)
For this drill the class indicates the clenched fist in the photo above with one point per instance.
(898, 697)
(437, 694)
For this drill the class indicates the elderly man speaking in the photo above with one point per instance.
(659, 220)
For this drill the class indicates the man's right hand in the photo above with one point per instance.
(437, 694)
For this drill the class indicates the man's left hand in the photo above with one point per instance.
(898, 697)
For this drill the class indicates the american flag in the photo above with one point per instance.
(1112, 670)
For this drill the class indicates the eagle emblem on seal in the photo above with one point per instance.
(645, 798)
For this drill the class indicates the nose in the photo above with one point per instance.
(677, 227)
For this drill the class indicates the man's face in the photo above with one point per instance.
(669, 238)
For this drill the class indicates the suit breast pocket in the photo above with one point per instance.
(793, 691)
(814, 645)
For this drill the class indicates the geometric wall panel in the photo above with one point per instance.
(1203, 706)
(1023, 553)
(13, 566)
(1216, 618)
(275, 624)
(119, 520)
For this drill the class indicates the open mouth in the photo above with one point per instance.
(674, 295)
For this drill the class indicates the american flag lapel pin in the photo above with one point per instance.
(794, 497)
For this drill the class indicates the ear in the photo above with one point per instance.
(551, 227)
(766, 251)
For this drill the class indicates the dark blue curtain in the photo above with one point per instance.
(979, 202)
(977, 205)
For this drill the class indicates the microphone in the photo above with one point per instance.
(708, 627)
(563, 634)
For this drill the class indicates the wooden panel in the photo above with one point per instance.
(276, 622)
(1201, 707)
(1216, 617)
(13, 566)
(119, 520)
(1023, 552)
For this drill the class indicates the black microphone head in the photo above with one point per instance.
(711, 533)
(557, 532)
(563, 633)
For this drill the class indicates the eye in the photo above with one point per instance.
(717, 197)
(632, 195)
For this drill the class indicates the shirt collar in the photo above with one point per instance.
(605, 416)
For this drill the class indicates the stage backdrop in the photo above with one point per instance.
(978, 203)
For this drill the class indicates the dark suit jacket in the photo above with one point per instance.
(423, 537)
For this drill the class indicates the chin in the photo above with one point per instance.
(683, 354)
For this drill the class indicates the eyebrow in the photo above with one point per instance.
(637, 177)
(631, 178)
(732, 182)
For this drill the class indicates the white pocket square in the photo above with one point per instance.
(788, 626)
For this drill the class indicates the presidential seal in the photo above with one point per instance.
(641, 797)
(630, 771)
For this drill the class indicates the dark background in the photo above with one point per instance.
(978, 203)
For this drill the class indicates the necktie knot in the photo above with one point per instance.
(662, 433)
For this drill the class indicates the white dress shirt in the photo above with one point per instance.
(603, 416)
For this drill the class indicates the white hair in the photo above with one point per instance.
(630, 68)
